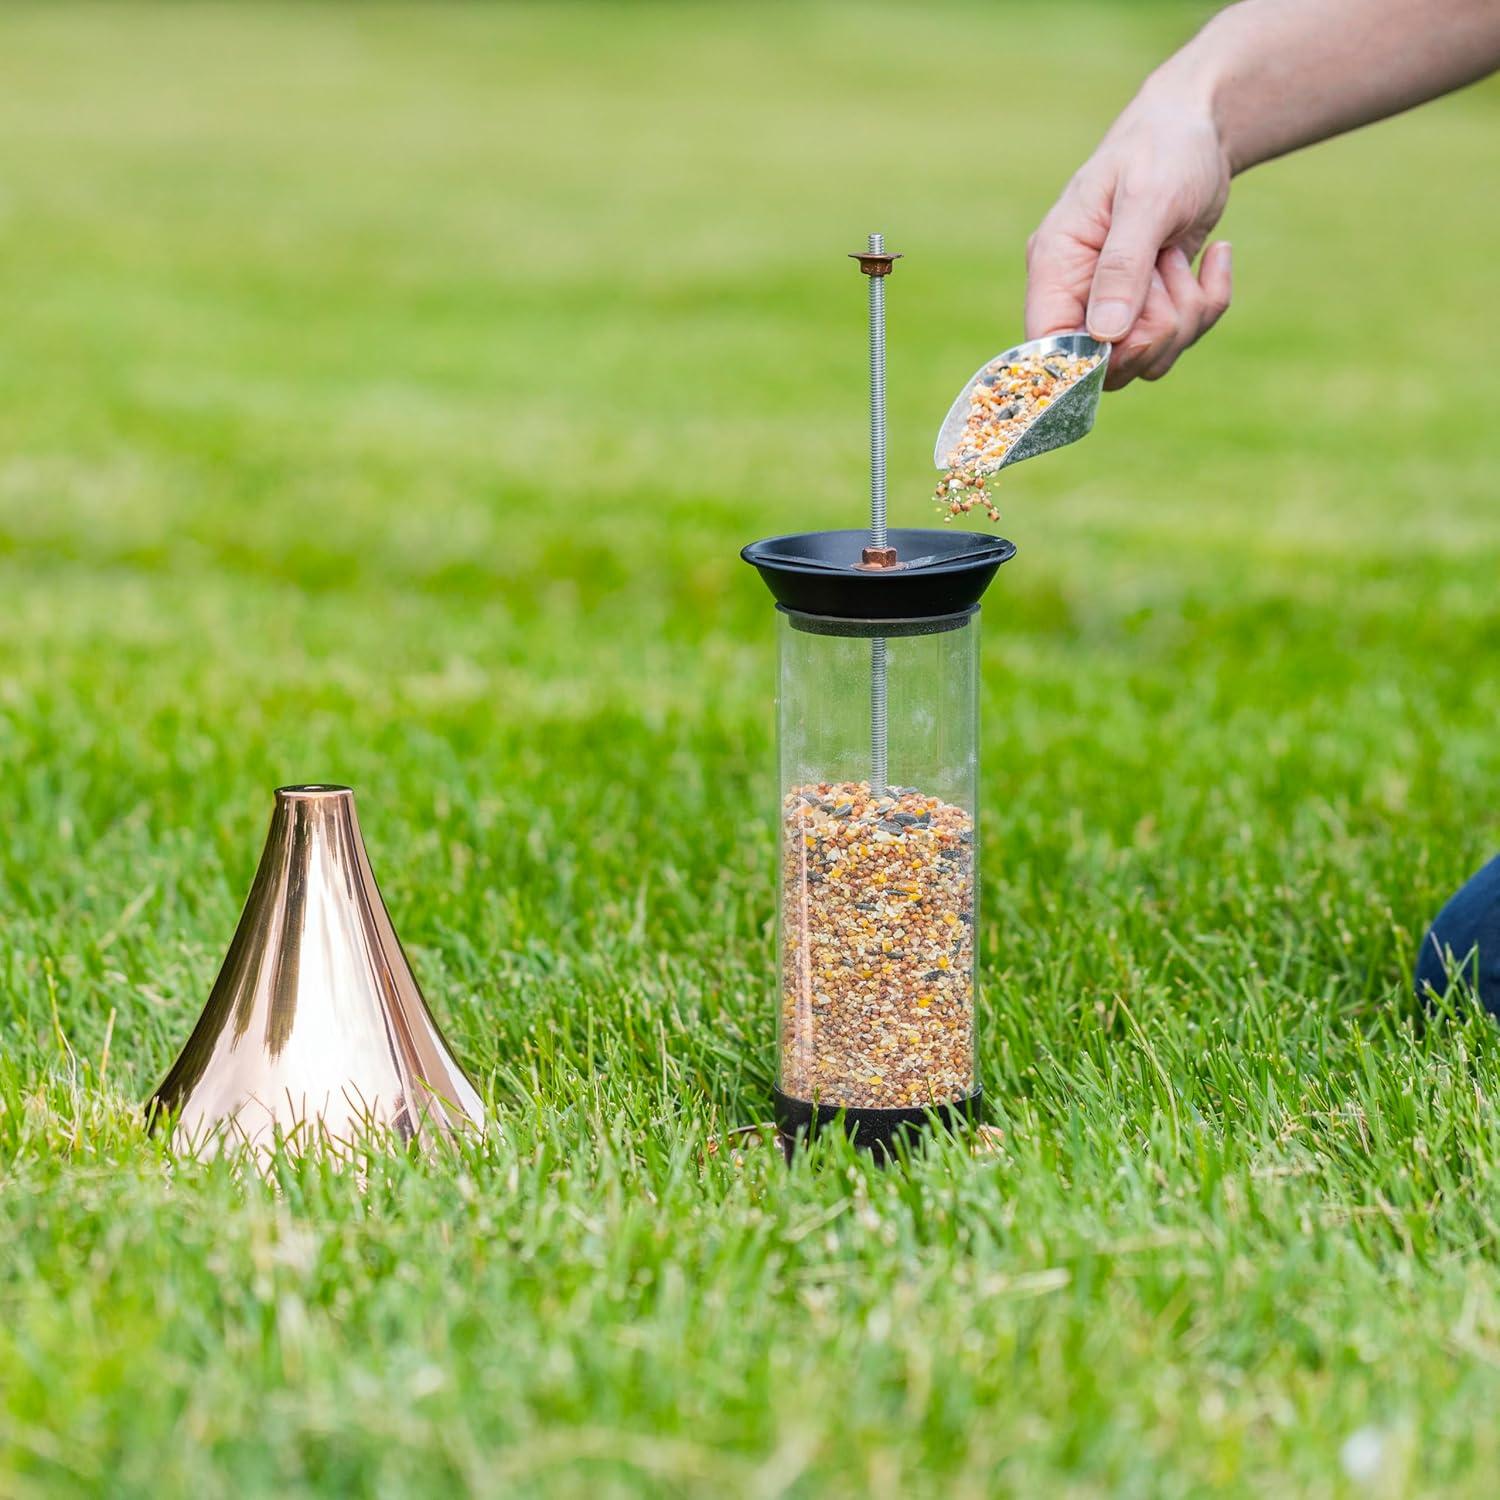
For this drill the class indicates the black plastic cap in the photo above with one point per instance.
(953, 570)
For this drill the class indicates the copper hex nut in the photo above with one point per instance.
(875, 558)
(875, 262)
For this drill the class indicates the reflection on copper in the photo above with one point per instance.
(316, 1029)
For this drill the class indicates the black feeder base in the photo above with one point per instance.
(878, 1131)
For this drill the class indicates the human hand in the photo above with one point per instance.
(1115, 252)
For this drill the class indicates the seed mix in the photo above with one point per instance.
(1002, 405)
(877, 947)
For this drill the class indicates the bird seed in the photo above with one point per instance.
(877, 947)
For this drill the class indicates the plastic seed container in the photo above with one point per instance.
(877, 828)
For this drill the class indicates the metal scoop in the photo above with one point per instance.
(1066, 420)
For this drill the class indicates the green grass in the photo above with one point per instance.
(384, 396)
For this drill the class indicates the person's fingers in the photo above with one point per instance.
(1057, 280)
(1102, 263)
(1216, 277)
(1122, 276)
(1189, 305)
(1151, 332)
(1176, 272)
(1200, 301)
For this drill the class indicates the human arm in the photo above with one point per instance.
(1262, 78)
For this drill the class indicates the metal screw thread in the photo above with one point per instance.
(879, 736)
(879, 771)
(877, 400)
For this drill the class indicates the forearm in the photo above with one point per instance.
(1274, 75)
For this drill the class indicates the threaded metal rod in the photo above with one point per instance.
(879, 737)
(877, 400)
(879, 771)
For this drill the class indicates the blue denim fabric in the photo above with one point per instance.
(1463, 944)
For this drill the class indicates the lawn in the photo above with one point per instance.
(385, 394)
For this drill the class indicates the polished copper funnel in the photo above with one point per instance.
(315, 1030)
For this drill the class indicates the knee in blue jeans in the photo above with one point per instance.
(1462, 947)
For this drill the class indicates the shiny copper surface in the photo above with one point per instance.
(875, 262)
(316, 1027)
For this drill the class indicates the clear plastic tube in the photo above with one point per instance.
(879, 885)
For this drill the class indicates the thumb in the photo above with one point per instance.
(1122, 276)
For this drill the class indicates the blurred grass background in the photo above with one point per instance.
(385, 393)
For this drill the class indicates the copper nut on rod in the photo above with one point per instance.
(875, 559)
(316, 1031)
(875, 262)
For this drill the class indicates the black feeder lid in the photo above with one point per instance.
(938, 573)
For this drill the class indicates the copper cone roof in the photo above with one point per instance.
(316, 1026)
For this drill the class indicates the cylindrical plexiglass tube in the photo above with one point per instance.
(879, 887)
